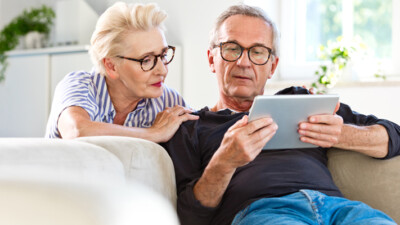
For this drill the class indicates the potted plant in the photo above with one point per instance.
(336, 56)
(36, 19)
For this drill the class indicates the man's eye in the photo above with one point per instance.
(232, 49)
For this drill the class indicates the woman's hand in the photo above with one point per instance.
(168, 121)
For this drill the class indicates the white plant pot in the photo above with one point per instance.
(34, 39)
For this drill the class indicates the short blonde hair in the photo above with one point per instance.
(116, 23)
(245, 10)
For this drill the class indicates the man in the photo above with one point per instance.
(222, 174)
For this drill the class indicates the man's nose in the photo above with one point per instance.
(244, 59)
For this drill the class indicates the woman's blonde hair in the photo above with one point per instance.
(116, 23)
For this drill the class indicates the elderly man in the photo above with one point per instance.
(222, 174)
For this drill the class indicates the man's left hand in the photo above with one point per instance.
(322, 130)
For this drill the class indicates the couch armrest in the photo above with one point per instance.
(144, 161)
(372, 181)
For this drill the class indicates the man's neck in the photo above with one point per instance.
(238, 105)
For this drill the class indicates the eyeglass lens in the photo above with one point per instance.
(150, 61)
(257, 54)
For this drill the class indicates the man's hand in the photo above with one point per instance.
(322, 130)
(244, 141)
(241, 144)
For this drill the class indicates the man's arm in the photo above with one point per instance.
(353, 131)
(329, 131)
(240, 145)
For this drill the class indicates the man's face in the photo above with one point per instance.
(242, 79)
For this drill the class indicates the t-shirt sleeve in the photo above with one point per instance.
(76, 89)
(351, 117)
(184, 152)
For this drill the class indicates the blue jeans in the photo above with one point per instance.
(310, 207)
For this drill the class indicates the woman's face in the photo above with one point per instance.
(136, 82)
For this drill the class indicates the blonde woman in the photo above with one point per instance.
(124, 94)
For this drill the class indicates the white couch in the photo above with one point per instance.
(88, 181)
(120, 180)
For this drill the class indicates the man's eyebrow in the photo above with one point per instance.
(254, 44)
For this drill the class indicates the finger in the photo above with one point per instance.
(258, 124)
(326, 119)
(263, 135)
(178, 110)
(320, 143)
(187, 117)
(319, 128)
(337, 107)
(319, 136)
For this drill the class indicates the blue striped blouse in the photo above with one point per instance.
(89, 91)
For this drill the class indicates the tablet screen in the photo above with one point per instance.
(288, 111)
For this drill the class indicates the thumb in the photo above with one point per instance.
(336, 108)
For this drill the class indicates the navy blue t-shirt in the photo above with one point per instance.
(273, 173)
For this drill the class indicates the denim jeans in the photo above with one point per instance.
(310, 207)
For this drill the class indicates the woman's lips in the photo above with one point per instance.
(158, 84)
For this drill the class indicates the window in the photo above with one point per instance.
(307, 24)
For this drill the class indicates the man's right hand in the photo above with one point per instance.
(244, 141)
(241, 144)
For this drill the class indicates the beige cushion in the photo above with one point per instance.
(46, 203)
(144, 161)
(57, 160)
(372, 181)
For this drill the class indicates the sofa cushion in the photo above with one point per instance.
(46, 203)
(372, 181)
(144, 161)
(57, 160)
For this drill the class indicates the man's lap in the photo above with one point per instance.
(309, 207)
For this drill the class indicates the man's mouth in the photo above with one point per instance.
(242, 77)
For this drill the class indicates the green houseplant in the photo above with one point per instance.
(336, 55)
(36, 19)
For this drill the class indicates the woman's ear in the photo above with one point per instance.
(110, 67)
(210, 56)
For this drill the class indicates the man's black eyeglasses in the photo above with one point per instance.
(149, 62)
(232, 51)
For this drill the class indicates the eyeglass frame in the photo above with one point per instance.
(155, 59)
(242, 50)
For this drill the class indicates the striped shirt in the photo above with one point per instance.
(89, 91)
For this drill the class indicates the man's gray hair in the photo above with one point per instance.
(245, 10)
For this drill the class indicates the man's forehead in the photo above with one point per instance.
(246, 30)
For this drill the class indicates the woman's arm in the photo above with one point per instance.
(75, 122)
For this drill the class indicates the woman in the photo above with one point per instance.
(124, 95)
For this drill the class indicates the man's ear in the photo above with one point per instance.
(110, 67)
(274, 65)
(210, 56)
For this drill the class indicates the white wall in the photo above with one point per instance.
(188, 25)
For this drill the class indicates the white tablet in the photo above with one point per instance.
(288, 111)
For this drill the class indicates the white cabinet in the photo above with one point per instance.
(25, 95)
